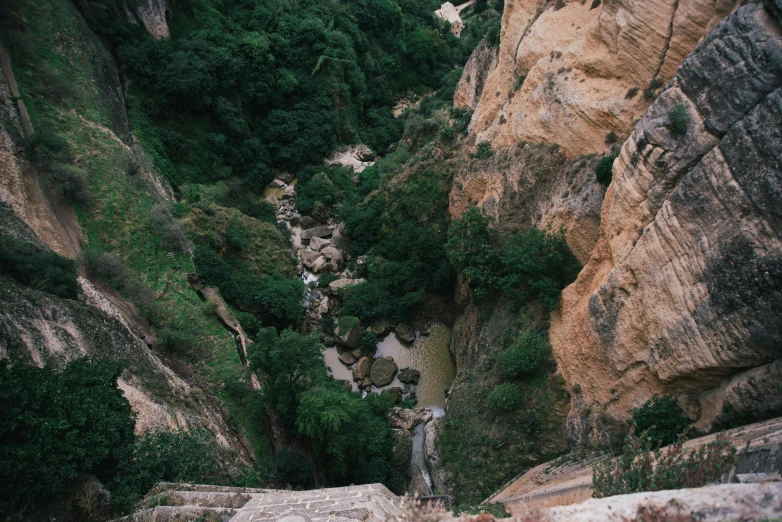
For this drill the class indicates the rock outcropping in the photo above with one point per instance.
(152, 14)
(564, 75)
(683, 289)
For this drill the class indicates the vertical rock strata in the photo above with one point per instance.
(684, 288)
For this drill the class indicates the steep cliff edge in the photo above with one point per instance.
(565, 75)
(682, 292)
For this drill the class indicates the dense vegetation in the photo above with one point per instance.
(347, 438)
(531, 264)
(661, 419)
(37, 267)
(57, 425)
(245, 86)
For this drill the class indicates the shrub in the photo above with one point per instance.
(559, 4)
(661, 419)
(56, 426)
(611, 138)
(483, 151)
(179, 340)
(368, 342)
(525, 356)
(168, 229)
(641, 469)
(678, 120)
(116, 275)
(595, 4)
(463, 116)
(631, 93)
(505, 398)
(604, 168)
(519, 82)
(68, 182)
(38, 268)
(165, 456)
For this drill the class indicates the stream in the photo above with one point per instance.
(428, 354)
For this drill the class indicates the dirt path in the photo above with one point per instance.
(5, 65)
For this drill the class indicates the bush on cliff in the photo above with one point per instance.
(525, 356)
(531, 264)
(661, 419)
(505, 398)
(38, 268)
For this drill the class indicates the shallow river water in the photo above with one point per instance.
(427, 354)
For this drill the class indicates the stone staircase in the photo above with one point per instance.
(190, 502)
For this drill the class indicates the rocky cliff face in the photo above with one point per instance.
(682, 275)
(152, 14)
(681, 295)
(565, 76)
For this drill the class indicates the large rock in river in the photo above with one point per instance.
(405, 419)
(405, 332)
(361, 369)
(339, 284)
(409, 376)
(348, 332)
(383, 371)
(316, 232)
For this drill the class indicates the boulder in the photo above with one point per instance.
(409, 376)
(328, 340)
(277, 183)
(383, 371)
(323, 307)
(339, 284)
(317, 243)
(346, 385)
(334, 257)
(405, 332)
(322, 231)
(310, 222)
(341, 242)
(433, 457)
(308, 258)
(408, 419)
(361, 369)
(381, 327)
(286, 176)
(319, 264)
(348, 332)
(395, 393)
(346, 357)
(294, 219)
(402, 452)
(290, 191)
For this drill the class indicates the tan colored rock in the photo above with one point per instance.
(579, 64)
(678, 294)
(482, 62)
(152, 14)
(361, 369)
(406, 419)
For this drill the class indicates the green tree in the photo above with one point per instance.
(537, 264)
(471, 251)
(662, 419)
(505, 398)
(57, 425)
(525, 356)
(288, 365)
(603, 170)
(350, 441)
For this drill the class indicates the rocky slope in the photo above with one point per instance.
(38, 328)
(682, 291)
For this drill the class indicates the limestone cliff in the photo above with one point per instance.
(565, 75)
(152, 14)
(682, 292)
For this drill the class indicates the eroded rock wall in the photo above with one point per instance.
(579, 64)
(152, 14)
(684, 287)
